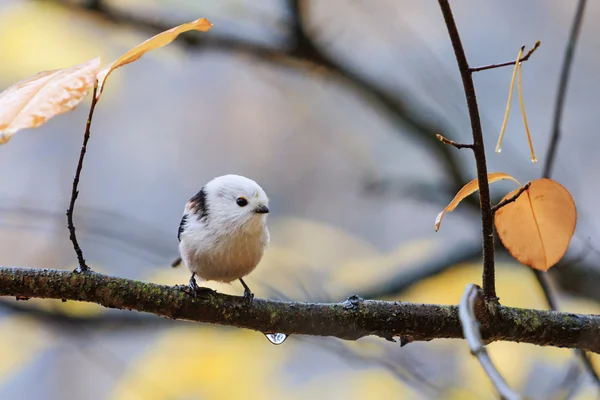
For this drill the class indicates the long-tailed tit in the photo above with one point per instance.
(223, 232)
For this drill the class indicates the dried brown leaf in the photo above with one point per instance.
(538, 226)
(33, 101)
(468, 189)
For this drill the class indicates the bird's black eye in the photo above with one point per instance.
(242, 202)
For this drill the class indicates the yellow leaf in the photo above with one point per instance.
(32, 101)
(537, 228)
(160, 40)
(468, 189)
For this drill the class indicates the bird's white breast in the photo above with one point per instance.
(224, 255)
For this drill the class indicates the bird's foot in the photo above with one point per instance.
(248, 295)
(194, 290)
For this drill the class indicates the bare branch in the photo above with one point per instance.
(470, 327)
(453, 143)
(511, 199)
(506, 64)
(562, 87)
(83, 267)
(487, 217)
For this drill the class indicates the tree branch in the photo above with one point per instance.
(487, 217)
(350, 320)
(506, 64)
(470, 326)
(562, 87)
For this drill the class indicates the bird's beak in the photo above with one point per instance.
(262, 209)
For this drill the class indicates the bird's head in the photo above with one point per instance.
(236, 201)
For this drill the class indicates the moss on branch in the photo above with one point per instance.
(351, 319)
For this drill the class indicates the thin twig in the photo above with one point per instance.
(487, 218)
(562, 87)
(470, 326)
(83, 267)
(453, 143)
(508, 63)
(511, 199)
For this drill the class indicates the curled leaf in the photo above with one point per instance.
(468, 189)
(159, 40)
(33, 101)
(538, 226)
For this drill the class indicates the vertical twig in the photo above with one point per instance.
(470, 326)
(83, 267)
(542, 278)
(562, 87)
(487, 218)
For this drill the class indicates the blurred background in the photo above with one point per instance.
(332, 106)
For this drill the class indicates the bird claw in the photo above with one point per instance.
(194, 290)
(248, 296)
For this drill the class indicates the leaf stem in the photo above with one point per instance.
(512, 199)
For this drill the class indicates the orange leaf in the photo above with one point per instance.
(468, 189)
(537, 228)
(159, 40)
(33, 101)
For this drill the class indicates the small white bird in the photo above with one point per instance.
(223, 232)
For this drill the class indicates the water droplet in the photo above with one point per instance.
(499, 151)
(534, 160)
(276, 338)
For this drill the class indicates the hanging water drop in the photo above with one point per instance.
(276, 338)
(499, 150)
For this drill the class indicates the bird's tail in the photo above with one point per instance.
(176, 263)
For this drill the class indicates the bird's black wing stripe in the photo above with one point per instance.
(182, 226)
(198, 204)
